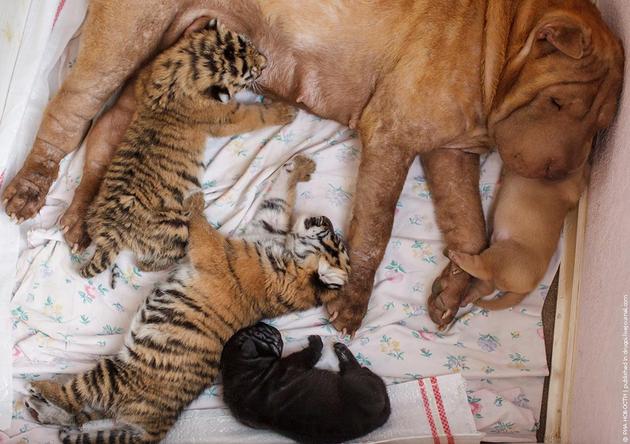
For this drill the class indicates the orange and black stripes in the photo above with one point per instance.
(173, 348)
(139, 204)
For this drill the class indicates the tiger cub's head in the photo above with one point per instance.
(315, 237)
(213, 63)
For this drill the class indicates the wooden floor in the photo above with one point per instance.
(548, 318)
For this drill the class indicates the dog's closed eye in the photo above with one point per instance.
(556, 102)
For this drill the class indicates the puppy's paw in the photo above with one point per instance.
(457, 257)
(280, 114)
(315, 343)
(343, 353)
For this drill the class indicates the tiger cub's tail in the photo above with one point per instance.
(119, 436)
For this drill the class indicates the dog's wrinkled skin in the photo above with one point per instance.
(415, 77)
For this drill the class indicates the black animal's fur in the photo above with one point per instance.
(291, 397)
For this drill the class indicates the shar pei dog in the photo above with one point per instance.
(441, 79)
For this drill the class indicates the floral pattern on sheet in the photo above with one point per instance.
(61, 323)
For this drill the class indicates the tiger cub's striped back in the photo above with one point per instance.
(174, 345)
(182, 97)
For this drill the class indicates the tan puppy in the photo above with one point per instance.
(442, 79)
(528, 219)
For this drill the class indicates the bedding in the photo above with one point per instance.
(61, 323)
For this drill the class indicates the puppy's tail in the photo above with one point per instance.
(508, 300)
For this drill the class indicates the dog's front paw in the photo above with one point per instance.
(447, 295)
(348, 309)
(72, 223)
(26, 193)
(280, 114)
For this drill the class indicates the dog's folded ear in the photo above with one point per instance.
(248, 349)
(566, 34)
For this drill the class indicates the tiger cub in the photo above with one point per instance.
(183, 96)
(173, 348)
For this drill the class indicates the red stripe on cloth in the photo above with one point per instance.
(59, 8)
(427, 411)
(441, 410)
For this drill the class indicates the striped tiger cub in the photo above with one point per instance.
(183, 96)
(173, 348)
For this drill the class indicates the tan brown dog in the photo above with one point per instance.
(441, 78)
(527, 221)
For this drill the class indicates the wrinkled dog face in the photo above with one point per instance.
(260, 341)
(556, 93)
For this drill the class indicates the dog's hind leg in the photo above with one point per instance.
(108, 56)
(477, 290)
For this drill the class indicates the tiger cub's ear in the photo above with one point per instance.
(331, 276)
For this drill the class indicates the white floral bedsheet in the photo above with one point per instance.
(62, 323)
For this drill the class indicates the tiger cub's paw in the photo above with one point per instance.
(332, 277)
(280, 114)
(301, 167)
(44, 411)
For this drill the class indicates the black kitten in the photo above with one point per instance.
(291, 397)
